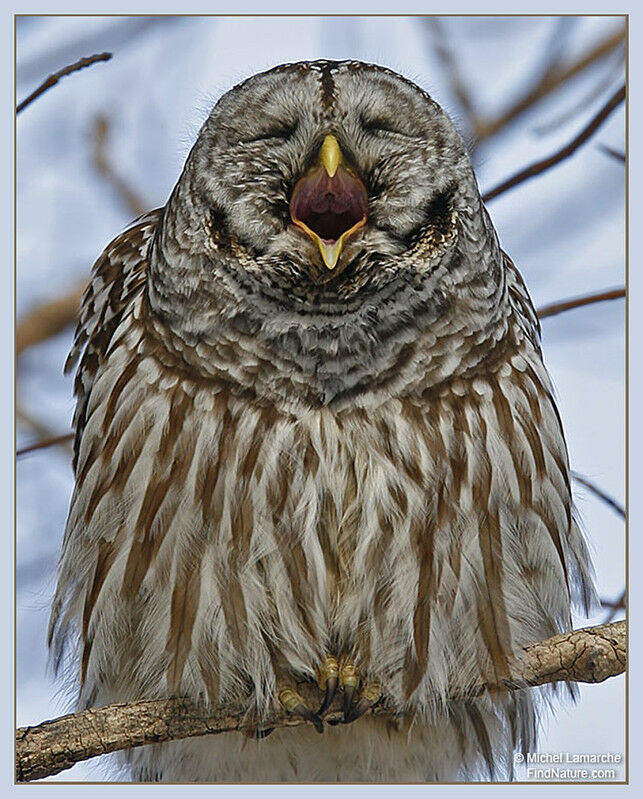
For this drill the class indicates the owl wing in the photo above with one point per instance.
(116, 276)
(526, 315)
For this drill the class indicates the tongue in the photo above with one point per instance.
(329, 206)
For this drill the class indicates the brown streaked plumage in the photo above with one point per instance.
(317, 432)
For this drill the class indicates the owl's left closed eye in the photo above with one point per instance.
(382, 124)
(276, 131)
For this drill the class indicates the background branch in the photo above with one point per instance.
(52, 80)
(45, 442)
(601, 494)
(46, 438)
(48, 319)
(589, 655)
(127, 195)
(580, 106)
(546, 163)
(559, 306)
(554, 77)
(450, 63)
(614, 606)
(616, 154)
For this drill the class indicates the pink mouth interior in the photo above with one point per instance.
(329, 206)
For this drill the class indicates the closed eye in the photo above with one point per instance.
(277, 131)
(382, 125)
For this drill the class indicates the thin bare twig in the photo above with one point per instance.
(128, 196)
(451, 69)
(580, 106)
(50, 318)
(35, 424)
(554, 308)
(52, 80)
(602, 495)
(551, 80)
(616, 154)
(569, 149)
(43, 443)
(590, 655)
(41, 429)
(615, 606)
(550, 56)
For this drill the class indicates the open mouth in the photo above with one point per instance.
(329, 203)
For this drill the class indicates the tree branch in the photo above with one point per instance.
(52, 80)
(450, 64)
(569, 149)
(617, 155)
(551, 80)
(554, 308)
(126, 194)
(601, 494)
(615, 606)
(48, 319)
(44, 433)
(589, 655)
(45, 442)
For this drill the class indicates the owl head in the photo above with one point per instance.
(320, 193)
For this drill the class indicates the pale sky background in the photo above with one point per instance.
(564, 230)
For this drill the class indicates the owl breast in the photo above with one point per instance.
(229, 540)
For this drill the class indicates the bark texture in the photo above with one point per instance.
(589, 655)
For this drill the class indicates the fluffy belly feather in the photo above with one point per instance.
(221, 549)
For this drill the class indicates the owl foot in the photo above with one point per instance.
(345, 675)
(332, 675)
(328, 680)
(293, 702)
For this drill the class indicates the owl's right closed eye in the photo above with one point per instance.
(316, 442)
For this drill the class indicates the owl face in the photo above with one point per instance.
(327, 215)
(323, 173)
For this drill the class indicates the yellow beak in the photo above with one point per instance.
(330, 155)
(331, 159)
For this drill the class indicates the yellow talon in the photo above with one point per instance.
(294, 703)
(348, 674)
(328, 670)
(290, 699)
(372, 693)
(328, 679)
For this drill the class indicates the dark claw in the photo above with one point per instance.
(371, 695)
(349, 693)
(261, 734)
(306, 713)
(358, 710)
(329, 695)
(292, 702)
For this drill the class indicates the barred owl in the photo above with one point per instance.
(316, 442)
